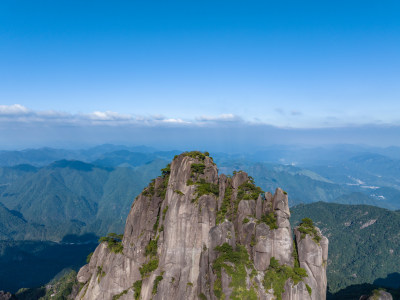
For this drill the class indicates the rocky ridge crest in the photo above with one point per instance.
(194, 234)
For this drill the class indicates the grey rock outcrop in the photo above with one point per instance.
(5, 295)
(378, 295)
(192, 234)
(313, 258)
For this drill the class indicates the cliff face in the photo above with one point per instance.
(192, 234)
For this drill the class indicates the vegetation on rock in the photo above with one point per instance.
(161, 190)
(151, 248)
(164, 212)
(89, 257)
(206, 188)
(149, 191)
(248, 190)
(270, 220)
(149, 267)
(114, 242)
(307, 227)
(156, 282)
(197, 168)
(226, 203)
(276, 276)
(116, 297)
(100, 273)
(60, 289)
(234, 262)
(137, 288)
(309, 289)
(197, 154)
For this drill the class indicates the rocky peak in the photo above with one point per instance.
(192, 234)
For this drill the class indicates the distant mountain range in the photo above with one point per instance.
(75, 196)
(69, 197)
(55, 192)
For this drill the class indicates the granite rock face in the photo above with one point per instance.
(194, 234)
(313, 258)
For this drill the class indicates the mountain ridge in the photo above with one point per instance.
(195, 234)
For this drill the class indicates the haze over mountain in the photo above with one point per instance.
(52, 194)
(75, 201)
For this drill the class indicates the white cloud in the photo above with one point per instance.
(293, 119)
(220, 118)
(15, 109)
(175, 121)
(108, 116)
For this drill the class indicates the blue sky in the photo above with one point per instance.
(297, 65)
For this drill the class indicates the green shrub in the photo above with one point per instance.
(116, 297)
(204, 188)
(276, 276)
(240, 260)
(179, 192)
(196, 154)
(245, 221)
(114, 242)
(100, 273)
(161, 190)
(270, 220)
(137, 288)
(164, 212)
(202, 296)
(57, 289)
(155, 283)
(253, 240)
(295, 255)
(89, 257)
(197, 168)
(155, 226)
(151, 248)
(226, 203)
(307, 227)
(149, 267)
(309, 289)
(248, 191)
(166, 171)
(149, 190)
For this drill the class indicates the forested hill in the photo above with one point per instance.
(69, 197)
(364, 243)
